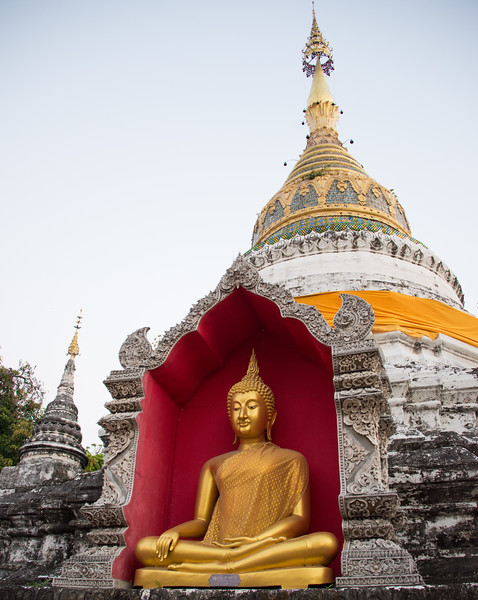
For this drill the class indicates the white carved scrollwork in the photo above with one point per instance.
(107, 537)
(362, 529)
(104, 516)
(354, 453)
(363, 416)
(377, 562)
(353, 321)
(119, 460)
(353, 241)
(136, 350)
(362, 361)
(369, 509)
(121, 433)
(362, 380)
(90, 569)
(367, 479)
(124, 386)
(360, 506)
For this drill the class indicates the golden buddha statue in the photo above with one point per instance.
(252, 511)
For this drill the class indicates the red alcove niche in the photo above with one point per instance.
(184, 420)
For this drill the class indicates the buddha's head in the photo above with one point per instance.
(251, 392)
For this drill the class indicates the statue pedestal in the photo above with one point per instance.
(290, 578)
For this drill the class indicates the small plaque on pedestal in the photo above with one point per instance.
(224, 580)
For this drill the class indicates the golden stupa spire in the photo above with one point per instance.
(322, 112)
(317, 48)
(73, 349)
(327, 190)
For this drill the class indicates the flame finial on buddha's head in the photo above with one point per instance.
(252, 381)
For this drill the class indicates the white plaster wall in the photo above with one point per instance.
(434, 382)
(358, 270)
(443, 351)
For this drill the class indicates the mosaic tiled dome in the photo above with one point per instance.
(327, 189)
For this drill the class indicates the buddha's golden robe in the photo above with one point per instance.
(258, 487)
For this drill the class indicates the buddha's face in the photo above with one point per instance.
(249, 415)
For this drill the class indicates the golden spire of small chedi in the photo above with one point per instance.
(73, 349)
(327, 190)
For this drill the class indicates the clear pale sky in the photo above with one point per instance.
(139, 140)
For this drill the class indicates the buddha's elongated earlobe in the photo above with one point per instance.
(235, 440)
(270, 423)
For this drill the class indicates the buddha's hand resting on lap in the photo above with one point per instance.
(244, 541)
(166, 543)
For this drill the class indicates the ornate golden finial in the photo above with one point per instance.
(317, 48)
(73, 349)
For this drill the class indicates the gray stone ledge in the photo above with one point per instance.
(439, 592)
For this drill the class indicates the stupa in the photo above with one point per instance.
(54, 452)
(330, 229)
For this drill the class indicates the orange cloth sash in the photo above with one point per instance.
(397, 312)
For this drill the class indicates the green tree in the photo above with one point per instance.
(21, 397)
(96, 457)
